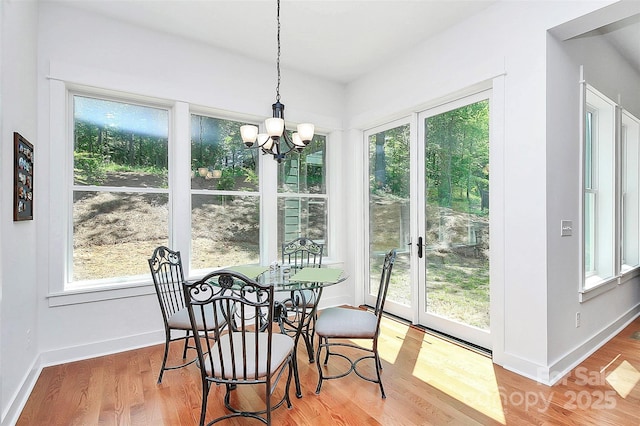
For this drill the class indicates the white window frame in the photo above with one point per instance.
(615, 183)
(630, 192)
(324, 196)
(603, 189)
(60, 188)
(70, 284)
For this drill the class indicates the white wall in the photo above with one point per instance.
(18, 307)
(508, 39)
(76, 46)
(601, 316)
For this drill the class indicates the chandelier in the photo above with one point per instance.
(276, 141)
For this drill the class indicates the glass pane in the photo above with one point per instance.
(589, 233)
(304, 173)
(114, 233)
(219, 158)
(588, 151)
(225, 230)
(630, 192)
(389, 209)
(457, 209)
(302, 216)
(600, 197)
(119, 144)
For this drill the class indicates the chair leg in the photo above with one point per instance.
(320, 377)
(268, 401)
(326, 357)
(186, 344)
(288, 385)
(205, 394)
(308, 342)
(378, 367)
(166, 353)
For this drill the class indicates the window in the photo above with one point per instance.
(129, 192)
(302, 194)
(120, 188)
(599, 189)
(225, 200)
(630, 141)
(611, 207)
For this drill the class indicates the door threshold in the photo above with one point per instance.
(444, 336)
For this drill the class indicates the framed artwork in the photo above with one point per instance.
(23, 178)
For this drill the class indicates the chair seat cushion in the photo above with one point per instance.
(281, 347)
(346, 323)
(180, 319)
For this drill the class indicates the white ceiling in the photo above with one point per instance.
(624, 35)
(335, 39)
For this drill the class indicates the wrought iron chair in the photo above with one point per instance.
(248, 352)
(302, 253)
(351, 323)
(166, 270)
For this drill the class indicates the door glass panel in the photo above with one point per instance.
(457, 214)
(389, 153)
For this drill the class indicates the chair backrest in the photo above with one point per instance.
(302, 253)
(385, 277)
(166, 270)
(226, 297)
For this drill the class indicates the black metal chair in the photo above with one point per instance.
(167, 273)
(302, 253)
(352, 323)
(247, 352)
(168, 276)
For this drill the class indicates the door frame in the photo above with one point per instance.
(456, 329)
(491, 90)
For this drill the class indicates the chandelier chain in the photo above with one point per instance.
(278, 60)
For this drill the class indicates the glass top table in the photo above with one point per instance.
(284, 279)
(296, 309)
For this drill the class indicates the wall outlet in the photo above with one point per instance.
(577, 319)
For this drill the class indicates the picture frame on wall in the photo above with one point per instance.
(23, 178)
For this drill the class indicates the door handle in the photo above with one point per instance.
(420, 247)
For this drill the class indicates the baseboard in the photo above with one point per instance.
(559, 368)
(556, 370)
(101, 348)
(71, 354)
(331, 301)
(19, 399)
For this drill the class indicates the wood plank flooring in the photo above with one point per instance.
(428, 381)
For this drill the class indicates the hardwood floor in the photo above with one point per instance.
(428, 381)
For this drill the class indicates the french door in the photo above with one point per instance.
(429, 199)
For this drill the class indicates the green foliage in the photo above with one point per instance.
(226, 181)
(457, 155)
(389, 162)
(88, 168)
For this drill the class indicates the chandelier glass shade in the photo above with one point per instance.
(277, 141)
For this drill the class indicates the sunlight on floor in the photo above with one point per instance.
(624, 378)
(454, 370)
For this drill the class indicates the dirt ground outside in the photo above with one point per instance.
(112, 238)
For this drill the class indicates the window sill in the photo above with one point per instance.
(629, 274)
(97, 294)
(598, 289)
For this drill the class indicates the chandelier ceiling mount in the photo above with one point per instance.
(276, 141)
